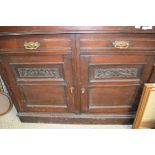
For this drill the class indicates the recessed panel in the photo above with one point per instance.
(39, 71)
(43, 95)
(98, 73)
(112, 96)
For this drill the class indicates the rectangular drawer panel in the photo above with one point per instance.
(32, 43)
(117, 42)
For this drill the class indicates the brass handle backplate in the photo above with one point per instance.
(32, 45)
(121, 44)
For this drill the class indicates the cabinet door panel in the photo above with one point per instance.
(112, 98)
(42, 95)
(112, 84)
(40, 84)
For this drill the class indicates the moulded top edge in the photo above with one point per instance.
(20, 30)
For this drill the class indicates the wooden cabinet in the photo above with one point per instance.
(76, 75)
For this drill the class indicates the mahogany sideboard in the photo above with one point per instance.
(76, 74)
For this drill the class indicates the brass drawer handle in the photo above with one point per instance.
(121, 44)
(32, 45)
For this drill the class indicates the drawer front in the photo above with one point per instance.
(113, 83)
(116, 42)
(41, 84)
(39, 43)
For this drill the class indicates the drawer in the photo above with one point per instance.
(117, 42)
(33, 43)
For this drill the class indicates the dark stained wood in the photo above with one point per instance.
(152, 77)
(105, 41)
(100, 100)
(76, 118)
(63, 28)
(116, 92)
(20, 30)
(32, 92)
(48, 44)
(77, 75)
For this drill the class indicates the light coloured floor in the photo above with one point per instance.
(11, 121)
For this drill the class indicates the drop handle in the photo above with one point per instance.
(83, 90)
(71, 90)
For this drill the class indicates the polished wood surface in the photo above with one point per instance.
(76, 74)
(20, 30)
(58, 44)
(109, 85)
(39, 92)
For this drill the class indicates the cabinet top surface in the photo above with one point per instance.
(19, 30)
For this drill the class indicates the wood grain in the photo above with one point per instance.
(77, 75)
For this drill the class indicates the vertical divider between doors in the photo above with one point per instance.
(76, 72)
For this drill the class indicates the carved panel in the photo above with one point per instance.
(39, 72)
(115, 72)
(42, 71)
(119, 72)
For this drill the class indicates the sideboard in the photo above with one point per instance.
(76, 74)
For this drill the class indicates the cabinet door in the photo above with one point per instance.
(112, 83)
(41, 83)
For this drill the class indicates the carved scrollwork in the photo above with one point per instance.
(39, 72)
(115, 72)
